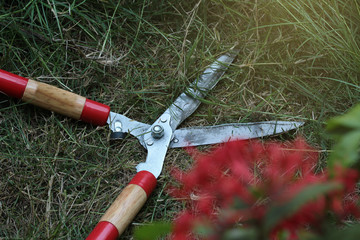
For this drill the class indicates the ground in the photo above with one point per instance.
(299, 60)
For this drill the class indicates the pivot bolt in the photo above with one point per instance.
(157, 131)
(118, 126)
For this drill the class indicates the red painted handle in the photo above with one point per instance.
(104, 231)
(95, 113)
(146, 180)
(54, 99)
(12, 85)
(125, 207)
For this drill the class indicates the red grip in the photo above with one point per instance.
(95, 113)
(104, 231)
(12, 85)
(146, 180)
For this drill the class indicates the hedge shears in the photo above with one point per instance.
(155, 138)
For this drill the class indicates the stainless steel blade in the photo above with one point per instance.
(189, 101)
(183, 107)
(118, 123)
(196, 136)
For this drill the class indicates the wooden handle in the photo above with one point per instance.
(53, 98)
(124, 208)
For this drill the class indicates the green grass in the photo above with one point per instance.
(299, 60)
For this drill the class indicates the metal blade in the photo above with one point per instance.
(183, 107)
(196, 136)
(189, 101)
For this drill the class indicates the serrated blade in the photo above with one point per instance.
(197, 136)
(189, 101)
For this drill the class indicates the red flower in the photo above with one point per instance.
(241, 181)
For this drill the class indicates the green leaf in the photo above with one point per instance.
(348, 233)
(346, 122)
(203, 230)
(346, 151)
(153, 231)
(241, 233)
(277, 213)
(347, 130)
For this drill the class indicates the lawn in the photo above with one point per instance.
(298, 61)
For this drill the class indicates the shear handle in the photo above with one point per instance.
(53, 98)
(124, 208)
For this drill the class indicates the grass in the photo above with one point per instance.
(299, 60)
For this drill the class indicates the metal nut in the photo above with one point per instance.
(157, 131)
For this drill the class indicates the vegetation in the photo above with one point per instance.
(299, 60)
(254, 191)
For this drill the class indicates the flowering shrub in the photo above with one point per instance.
(250, 190)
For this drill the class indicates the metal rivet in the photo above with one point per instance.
(176, 140)
(149, 143)
(163, 120)
(118, 126)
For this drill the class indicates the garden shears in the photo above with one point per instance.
(155, 138)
